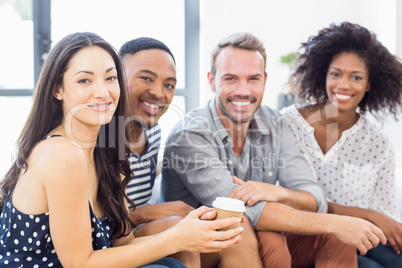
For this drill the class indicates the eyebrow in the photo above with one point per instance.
(155, 75)
(338, 69)
(258, 74)
(252, 75)
(92, 73)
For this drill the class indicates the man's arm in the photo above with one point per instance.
(196, 169)
(391, 228)
(251, 192)
(353, 231)
(280, 217)
(193, 168)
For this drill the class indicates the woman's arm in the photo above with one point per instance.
(190, 234)
(68, 185)
(349, 211)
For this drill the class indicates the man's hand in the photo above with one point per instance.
(149, 213)
(357, 232)
(391, 228)
(251, 192)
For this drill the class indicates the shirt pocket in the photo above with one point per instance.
(264, 167)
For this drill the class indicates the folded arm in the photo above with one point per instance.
(251, 192)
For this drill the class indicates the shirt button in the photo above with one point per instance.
(270, 173)
(230, 162)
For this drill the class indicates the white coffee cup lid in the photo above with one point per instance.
(228, 203)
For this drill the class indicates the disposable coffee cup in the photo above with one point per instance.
(226, 207)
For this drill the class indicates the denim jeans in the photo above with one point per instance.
(380, 257)
(165, 263)
(365, 262)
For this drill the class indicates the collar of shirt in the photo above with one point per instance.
(258, 126)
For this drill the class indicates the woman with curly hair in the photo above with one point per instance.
(342, 73)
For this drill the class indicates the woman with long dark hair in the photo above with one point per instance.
(64, 198)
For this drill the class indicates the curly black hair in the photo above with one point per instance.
(385, 69)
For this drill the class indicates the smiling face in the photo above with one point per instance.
(239, 83)
(151, 76)
(90, 91)
(347, 81)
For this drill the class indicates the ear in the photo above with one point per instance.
(211, 81)
(57, 92)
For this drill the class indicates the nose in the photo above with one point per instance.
(101, 90)
(157, 91)
(243, 88)
(344, 83)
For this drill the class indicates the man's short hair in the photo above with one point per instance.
(244, 40)
(142, 43)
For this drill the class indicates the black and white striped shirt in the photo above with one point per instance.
(144, 168)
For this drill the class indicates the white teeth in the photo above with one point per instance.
(100, 106)
(342, 97)
(241, 103)
(152, 106)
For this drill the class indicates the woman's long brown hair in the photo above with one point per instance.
(111, 151)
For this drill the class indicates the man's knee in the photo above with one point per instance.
(248, 243)
(273, 249)
(157, 226)
(243, 254)
(248, 239)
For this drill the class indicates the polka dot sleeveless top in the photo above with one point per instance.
(25, 240)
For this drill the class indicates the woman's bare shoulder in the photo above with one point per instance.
(57, 148)
(55, 167)
(57, 156)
